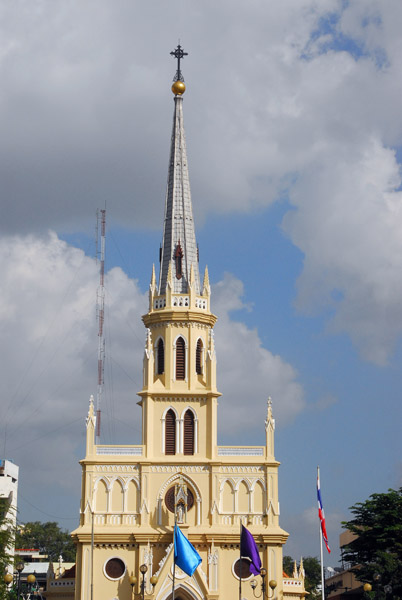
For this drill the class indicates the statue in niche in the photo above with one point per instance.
(180, 501)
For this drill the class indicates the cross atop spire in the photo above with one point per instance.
(179, 252)
(178, 53)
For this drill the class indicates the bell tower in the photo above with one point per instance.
(132, 494)
(179, 359)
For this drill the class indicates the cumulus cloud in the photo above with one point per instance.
(302, 101)
(352, 242)
(248, 373)
(47, 320)
(49, 367)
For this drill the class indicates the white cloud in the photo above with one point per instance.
(49, 367)
(248, 373)
(47, 320)
(302, 95)
(348, 223)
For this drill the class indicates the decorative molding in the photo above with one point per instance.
(178, 398)
(179, 468)
(186, 324)
(241, 469)
(116, 468)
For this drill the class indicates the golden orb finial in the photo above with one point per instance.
(178, 88)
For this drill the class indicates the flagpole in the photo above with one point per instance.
(240, 563)
(321, 552)
(174, 554)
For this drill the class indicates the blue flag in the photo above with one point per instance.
(248, 549)
(185, 555)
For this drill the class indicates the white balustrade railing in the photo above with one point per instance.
(181, 301)
(241, 450)
(119, 450)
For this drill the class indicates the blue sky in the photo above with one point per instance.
(294, 139)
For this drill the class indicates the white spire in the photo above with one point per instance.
(179, 247)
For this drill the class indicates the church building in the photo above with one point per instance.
(132, 495)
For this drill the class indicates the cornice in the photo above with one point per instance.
(178, 316)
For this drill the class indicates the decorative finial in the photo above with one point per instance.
(178, 87)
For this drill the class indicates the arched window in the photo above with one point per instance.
(160, 362)
(180, 358)
(170, 432)
(198, 358)
(188, 432)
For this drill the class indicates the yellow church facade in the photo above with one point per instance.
(129, 493)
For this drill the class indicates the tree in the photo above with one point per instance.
(48, 538)
(7, 533)
(376, 552)
(312, 570)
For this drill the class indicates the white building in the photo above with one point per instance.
(9, 490)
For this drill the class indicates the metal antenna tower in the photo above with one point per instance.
(100, 312)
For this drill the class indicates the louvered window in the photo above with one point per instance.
(170, 432)
(180, 359)
(188, 432)
(161, 357)
(198, 358)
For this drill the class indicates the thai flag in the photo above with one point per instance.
(321, 514)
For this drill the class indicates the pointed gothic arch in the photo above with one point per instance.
(188, 432)
(170, 432)
(189, 437)
(160, 356)
(193, 487)
(176, 430)
(101, 495)
(199, 357)
(182, 593)
(180, 351)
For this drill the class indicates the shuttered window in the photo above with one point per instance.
(170, 432)
(198, 358)
(161, 357)
(188, 432)
(180, 359)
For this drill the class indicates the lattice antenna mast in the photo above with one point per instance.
(100, 311)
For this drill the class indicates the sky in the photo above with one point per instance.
(294, 138)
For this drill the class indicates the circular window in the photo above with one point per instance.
(115, 568)
(169, 499)
(241, 568)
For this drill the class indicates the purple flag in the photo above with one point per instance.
(248, 549)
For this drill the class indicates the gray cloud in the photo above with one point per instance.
(279, 102)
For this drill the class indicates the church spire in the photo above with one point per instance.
(179, 247)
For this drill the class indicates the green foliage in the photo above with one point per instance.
(7, 533)
(48, 538)
(376, 553)
(312, 569)
(288, 563)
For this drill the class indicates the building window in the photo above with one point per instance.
(178, 257)
(198, 358)
(188, 432)
(115, 568)
(170, 432)
(180, 359)
(242, 566)
(169, 499)
(160, 359)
